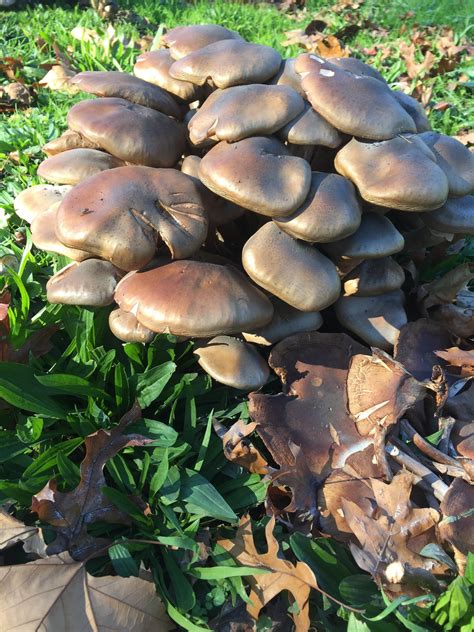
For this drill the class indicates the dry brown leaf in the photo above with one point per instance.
(416, 69)
(71, 512)
(13, 531)
(316, 42)
(238, 449)
(57, 78)
(61, 595)
(456, 357)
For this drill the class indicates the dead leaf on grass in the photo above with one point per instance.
(460, 361)
(58, 78)
(239, 449)
(13, 531)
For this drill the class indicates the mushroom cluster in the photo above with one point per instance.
(221, 191)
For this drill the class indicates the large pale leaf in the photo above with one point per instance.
(13, 531)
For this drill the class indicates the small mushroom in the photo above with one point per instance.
(183, 40)
(257, 173)
(293, 271)
(154, 67)
(309, 128)
(415, 110)
(456, 216)
(75, 165)
(377, 320)
(128, 131)
(330, 212)
(44, 235)
(91, 282)
(233, 362)
(126, 327)
(287, 76)
(68, 140)
(192, 298)
(373, 277)
(357, 67)
(228, 63)
(38, 199)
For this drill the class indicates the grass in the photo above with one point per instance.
(106, 376)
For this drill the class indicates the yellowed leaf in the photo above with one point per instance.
(13, 531)
(58, 79)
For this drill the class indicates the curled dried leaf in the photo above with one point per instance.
(238, 448)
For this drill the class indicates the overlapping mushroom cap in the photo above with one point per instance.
(38, 199)
(91, 282)
(183, 40)
(75, 165)
(456, 216)
(154, 67)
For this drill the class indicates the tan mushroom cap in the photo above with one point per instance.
(400, 173)
(91, 282)
(358, 105)
(287, 76)
(241, 111)
(257, 173)
(183, 40)
(38, 199)
(456, 216)
(75, 165)
(192, 298)
(331, 211)
(128, 87)
(376, 237)
(228, 63)
(44, 236)
(415, 110)
(154, 67)
(454, 159)
(286, 321)
(123, 214)
(377, 320)
(357, 67)
(126, 327)
(68, 140)
(374, 276)
(233, 362)
(293, 271)
(309, 128)
(130, 132)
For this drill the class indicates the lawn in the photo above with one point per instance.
(63, 376)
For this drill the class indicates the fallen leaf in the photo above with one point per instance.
(70, 513)
(458, 360)
(238, 449)
(466, 138)
(10, 66)
(457, 525)
(416, 69)
(57, 78)
(13, 531)
(61, 595)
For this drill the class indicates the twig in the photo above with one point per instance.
(446, 424)
(426, 447)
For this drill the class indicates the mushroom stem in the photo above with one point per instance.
(428, 479)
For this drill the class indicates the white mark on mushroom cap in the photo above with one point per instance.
(320, 60)
(325, 72)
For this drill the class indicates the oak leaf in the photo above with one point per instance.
(238, 449)
(61, 595)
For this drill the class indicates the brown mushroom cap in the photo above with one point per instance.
(75, 165)
(192, 298)
(456, 216)
(400, 173)
(286, 321)
(38, 199)
(228, 63)
(358, 105)
(44, 236)
(183, 40)
(454, 159)
(91, 282)
(377, 320)
(122, 214)
(287, 76)
(374, 276)
(376, 237)
(331, 211)
(126, 327)
(68, 140)
(154, 67)
(309, 128)
(293, 271)
(128, 87)
(128, 131)
(257, 173)
(415, 110)
(357, 67)
(241, 111)
(233, 362)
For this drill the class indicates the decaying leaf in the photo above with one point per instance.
(71, 512)
(58, 78)
(58, 594)
(313, 41)
(238, 449)
(13, 531)
(459, 359)
(457, 525)
(391, 537)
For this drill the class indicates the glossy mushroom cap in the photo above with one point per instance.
(400, 173)
(377, 320)
(456, 216)
(241, 111)
(154, 67)
(309, 128)
(233, 362)
(192, 298)
(357, 67)
(415, 110)
(330, 212)
(44, 235)
(373, 277)
(183, 40)
(68, 140)
(293, 271)
(228, 63)
(455, 160)
(123, 214)
(130, 132)
(358, 105)
(257, 173)
(126, 327)
(287, 76)
(91, 282)
(75, 165)
(38, 199)
(128, 87)
(286, 321)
